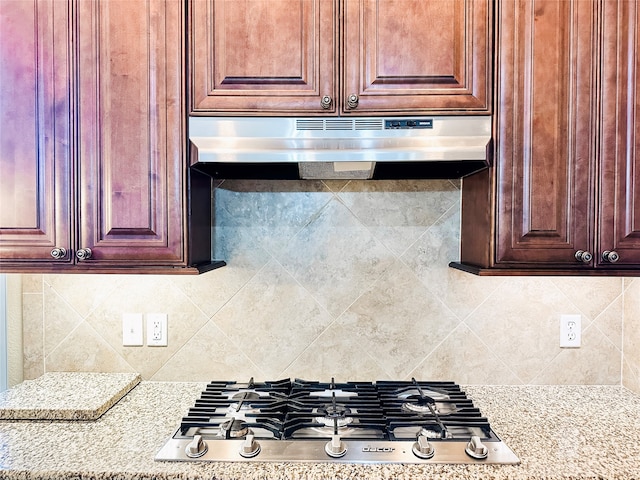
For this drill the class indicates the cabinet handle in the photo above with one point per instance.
(583, 256)
(610, 256)
(58, 253)
(83, 254)
(326, 102)
(352, 100)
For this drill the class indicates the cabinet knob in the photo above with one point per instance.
(58, 253)
(610, 256)
(583, 256)
(326, 102)
(352, 100)
(83, 254)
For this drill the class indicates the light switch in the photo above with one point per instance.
(132, 335)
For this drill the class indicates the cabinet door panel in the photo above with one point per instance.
(417, 55)
(131, 130)
(620, 146)
(546, 135)
(263, 56)
(35, 146)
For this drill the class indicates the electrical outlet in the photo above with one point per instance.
(132, 330)
(157, 333)
(570, 331)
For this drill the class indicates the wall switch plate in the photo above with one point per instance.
(157, 334)
(132, 330)
(570, 331)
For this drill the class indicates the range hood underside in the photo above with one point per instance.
(389, 171)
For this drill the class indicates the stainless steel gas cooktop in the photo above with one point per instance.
(354, 422)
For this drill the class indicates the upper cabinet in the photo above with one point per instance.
(293, 57)
(131, 131)
(547, 131)
(93, 170)
(564, 195)
(405, 56)
(35, 131)
(619, 152)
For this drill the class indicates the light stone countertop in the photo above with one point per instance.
(66, 396)
(574, 432)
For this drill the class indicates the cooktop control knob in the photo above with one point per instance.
(250, 448)
(476, 449)
(422, 448)
(335, 448)
(197, 447)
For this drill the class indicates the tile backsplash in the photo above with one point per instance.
(338, 279)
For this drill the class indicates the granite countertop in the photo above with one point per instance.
(66, 396)
(558, 432)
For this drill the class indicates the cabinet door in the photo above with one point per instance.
(131, 131)
(411, 56)
(262, 56)
(35, 146)
(546, 131)
(620, 123)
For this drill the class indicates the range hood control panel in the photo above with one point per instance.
(402, 124)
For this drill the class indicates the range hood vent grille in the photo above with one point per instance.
(339, 124)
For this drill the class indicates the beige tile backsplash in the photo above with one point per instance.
(338, 279)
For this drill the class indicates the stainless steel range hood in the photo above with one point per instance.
(338, 147)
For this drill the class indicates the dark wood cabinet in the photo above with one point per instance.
(262, 56)
(415, 56)
(131, 131)
(35, 131)
(561, 193)
(546, 135)
(280, 57)
(619, 207)
(104, 173)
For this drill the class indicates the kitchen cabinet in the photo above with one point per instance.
(562, 195)
(619, 153)
(35, 137)
(97, 165)
(339, 57)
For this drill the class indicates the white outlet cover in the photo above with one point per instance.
(570, 331)
(132, 334)
(157, 333)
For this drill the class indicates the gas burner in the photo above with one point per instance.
(234, 428)
(435, 433)
(245, 396)
(419, 408)
(334, 410)
(422, 409)
(334, 414)
(241, 412)
(412, 393)
(332, 421)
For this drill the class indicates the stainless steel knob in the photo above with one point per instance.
(422, 448)
(197, 447)
(58, 252)
(83, 254)
(352, 100)
(335, 448)
(583, 256)
(476, 449)
(326, 102)
(250, 448)
(610, 256)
